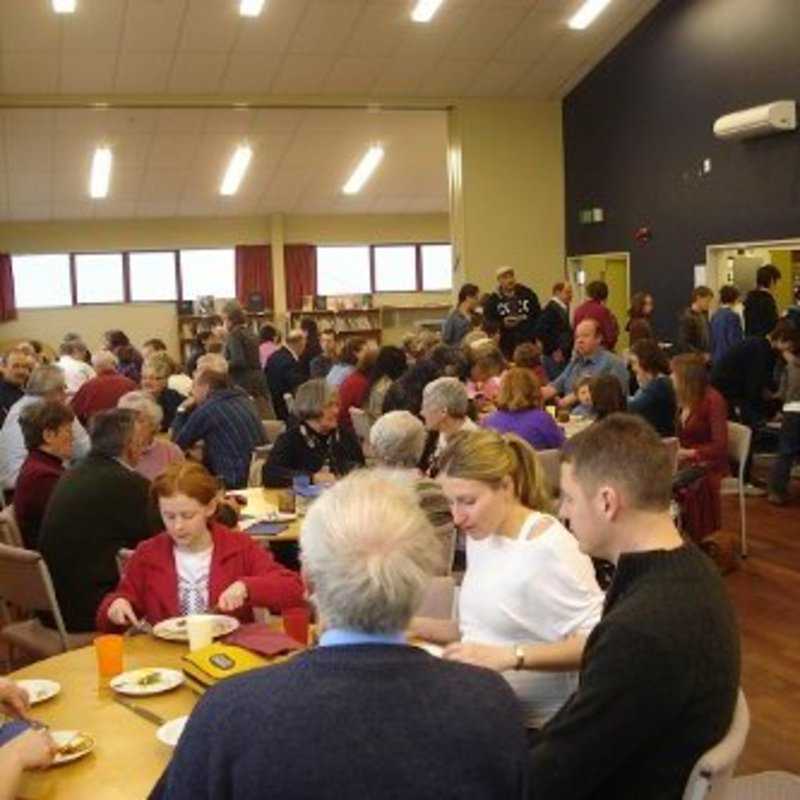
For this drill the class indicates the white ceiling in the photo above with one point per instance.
(169, 162)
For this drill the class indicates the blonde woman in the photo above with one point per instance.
(529, 597)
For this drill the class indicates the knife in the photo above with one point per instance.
(144, 713)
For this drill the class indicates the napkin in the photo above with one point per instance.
(259, 638)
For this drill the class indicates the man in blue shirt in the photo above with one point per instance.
(591, 359)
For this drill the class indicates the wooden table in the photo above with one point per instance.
(263, 501)
(127, 759)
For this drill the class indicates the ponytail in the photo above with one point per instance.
(530, 482)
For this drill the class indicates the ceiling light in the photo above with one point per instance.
(425, 9)
(101, 172)
(587, 14)
(251, 8)
(236, 170)
(363, 171)
(64, 6)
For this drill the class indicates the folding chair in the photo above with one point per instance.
(739, 438)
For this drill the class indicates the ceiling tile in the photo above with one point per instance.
(28, 188)
(271, 32)
(353, 75)
(163, 185)
(153, 25)
(29, 212)
(379, 31)
(27, 25)
(279, 120)
(160, 210)
(404, 75)
(209, 26)
(70, 183)
(229, 120)
(325, 26)
(301, 74)
(497, 78)
(29, 154)
(112, 208)
(250, 72)
(176, 120)
(95, 26)
(173, 150)
(197, 73)
(143, 73)
(87, 72)
(486, 30)
(30, 73)
(539, 33)
(76, 209)
(130, 148)
(20, 121)
(450, 78)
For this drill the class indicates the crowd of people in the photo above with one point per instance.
(126, 437)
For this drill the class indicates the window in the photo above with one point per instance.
(42, 281)
(152, 276)
(437, 267)
(343, 270)
(99, 278)
(205, 272)
(396, 269)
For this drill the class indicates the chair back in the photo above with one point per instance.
(672, 443)
(550, 461)
(712, 774)
(273, 428)
(255, 475)
(361, 423)
(440, 599)
(25, 583)
(123, 557)
(10, 533)
(739, 437)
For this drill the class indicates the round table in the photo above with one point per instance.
(263, 501)
(127, 759)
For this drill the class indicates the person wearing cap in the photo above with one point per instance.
(515, 308)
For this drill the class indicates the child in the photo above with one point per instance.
(583, 391)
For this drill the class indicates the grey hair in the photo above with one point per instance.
(104, 361)
(449, 394)
(44, 380)
(311, 398)
(398, 439)
(368, 551)
(295, 336)
(142, 403)
(211, 362)
(111, 431)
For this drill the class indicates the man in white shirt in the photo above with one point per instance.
(76, 370)
(444, 409)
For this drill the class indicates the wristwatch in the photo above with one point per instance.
(519, 654)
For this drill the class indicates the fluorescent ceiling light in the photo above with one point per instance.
(364, 170)
(251, 8)
(101, 172)
(236, 170)
(425, 9)
(587, 14)
(64, 6)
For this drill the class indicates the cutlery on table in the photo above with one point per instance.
(141, 711)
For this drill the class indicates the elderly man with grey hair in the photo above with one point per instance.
(444, 409)
(382, 718)
(45, 383)
(284, 371)
(314, 446)
(97, 507)
(102, 392)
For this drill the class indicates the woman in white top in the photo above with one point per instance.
(529, 597)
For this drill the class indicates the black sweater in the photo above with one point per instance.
(658, 685)
(760, 313)
(353, 722)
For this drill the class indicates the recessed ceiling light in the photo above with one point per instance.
(425, 9)
(251, 8)
(587, 14)
(101, 172)
(364, 170)
(236, 170)
(64, 6)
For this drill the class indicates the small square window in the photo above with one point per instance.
(343, 270)
(152, 276)
(208, 272)
(437, 267)
(396, 269)
(42, 281)
(99, 278)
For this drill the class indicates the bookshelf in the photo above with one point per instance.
(366, 322)
(189, 323)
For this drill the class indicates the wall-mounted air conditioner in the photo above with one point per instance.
(759, 121)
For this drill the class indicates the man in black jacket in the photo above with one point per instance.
(554, 331)
(760, 308)
(515, 308)
(97, 507)
(285, 372)
(16, 369)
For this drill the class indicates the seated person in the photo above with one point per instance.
(315, 446)
(157, 454)
(129, 358)
(226, 420)
(529, 356)
(196, 564)
(47, 428)
(153, 346)
(655, 400)
(354, 389)
(583, 394)
(366, 551)
(390, 364)
(526, 580)
(346, 364)
(607, 396)
(156, 372)
(206, 342)
(73, 363)
(487, 368)
(16, 370)
(285, 372)
(104, 390)
(519, 411)
(660, 672)
(97, 507)
(444, 408)
(590, 358)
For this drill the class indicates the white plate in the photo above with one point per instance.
(62, 737)
(170, 732)
(130, 682)
(174, 629)
(39, 689)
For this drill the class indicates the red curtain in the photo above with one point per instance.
(254, 273)
(8, 306)
(300, 262)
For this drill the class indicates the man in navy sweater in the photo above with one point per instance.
(364, 715)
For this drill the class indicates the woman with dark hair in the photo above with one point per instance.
(348, 357)
(269, 341)
(241, 353)
(312, 348)
(655, 400)
(130, 360)
(390, 364)
(405, 394)
(355, 387)
(607, 396)
(639, 315)
(459, 322)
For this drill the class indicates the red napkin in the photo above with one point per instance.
(259, 638)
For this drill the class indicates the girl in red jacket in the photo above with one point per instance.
(196, 565)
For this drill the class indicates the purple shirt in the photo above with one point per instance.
(533, 425)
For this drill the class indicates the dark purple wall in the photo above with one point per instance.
(638, 127)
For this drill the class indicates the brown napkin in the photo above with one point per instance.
(259, 638)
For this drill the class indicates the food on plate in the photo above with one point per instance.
(149, 678)
(77, 744)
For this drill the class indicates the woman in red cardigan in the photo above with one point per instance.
(196, 565)
(702, 429)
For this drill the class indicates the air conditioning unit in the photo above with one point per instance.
(759, 121)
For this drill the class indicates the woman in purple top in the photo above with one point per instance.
(519, 410)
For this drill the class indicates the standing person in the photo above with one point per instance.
(760, 308)
(554, 330)
(389, 366)
(789, 440)
(76, 370)
(241, 353)
(655, 399)
(639, 316)
(596, 308)
(284, 371)
(313, 347)
(459, 322)
(515, 308)
(269, 341)
(726, 324)
(660, 673)
(104, 390)
(16, 371)
(694, 331)
(322, 364)
(354, 391)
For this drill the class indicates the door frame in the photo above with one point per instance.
(579, 289)
(714, 257)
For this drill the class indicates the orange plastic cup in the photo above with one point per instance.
(295, 623)
(109, 655)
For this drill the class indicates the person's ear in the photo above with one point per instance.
(609, 503)
(211, 508)
(48, 436)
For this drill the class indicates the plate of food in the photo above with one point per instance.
(141, 682)
(71, 745)
(175, 629)
(39, 689)
(170, 732)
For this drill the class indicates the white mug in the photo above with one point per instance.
(200, 628)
